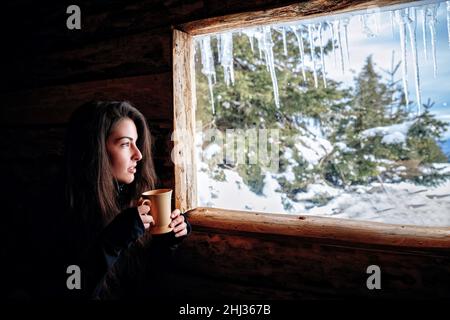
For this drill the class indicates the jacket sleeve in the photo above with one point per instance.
(118, 235)
(168, 240)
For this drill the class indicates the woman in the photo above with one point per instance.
(108, 165)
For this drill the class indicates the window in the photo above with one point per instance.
(344, 132)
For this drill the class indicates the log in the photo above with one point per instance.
(132, 55)
(305, 266)
(184, 103)
(290, 13)
(330, 230)
(151, 94)
(311, 256)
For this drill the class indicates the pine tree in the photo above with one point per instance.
(370, 158)
(423, 136)
(249, 103)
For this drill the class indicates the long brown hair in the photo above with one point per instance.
(91, 190)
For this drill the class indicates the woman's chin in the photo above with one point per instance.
(128, 179)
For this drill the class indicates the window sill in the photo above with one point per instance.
(321, 228)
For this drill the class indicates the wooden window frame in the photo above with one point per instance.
(183, 155)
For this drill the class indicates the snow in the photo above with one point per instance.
(313, 149)
(233, 193)
(396, 203)
(315, 189)
(393, 138)
(393, 134)
(343, 147)
(402, 203)
(212, 150)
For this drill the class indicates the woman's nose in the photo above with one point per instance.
(137, 154)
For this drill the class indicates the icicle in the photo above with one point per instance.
(333, 37)
(412, 24)
(432, 20)
(424, 32)
(371, 21)
(219, 48)
(392, 81)
(259, 34)
(299, 35)
(340, 44)
(448, 21)
(376, 16)
(250, 33)
(251, 44)
(313, 56)
(226, 54)
(402, 31)
(268, 52)
(391, 15)
(345, 23)
(259, 38)
(283, 32)
(365, 26)
(260, 48)
(322, 58)
(208, 66)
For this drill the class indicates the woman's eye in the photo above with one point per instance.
(127, 144)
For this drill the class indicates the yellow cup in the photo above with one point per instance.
(160, 209)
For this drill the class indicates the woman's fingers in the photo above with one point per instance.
(146, 218)
(178, 224)
(143, 209)
(181, 230)
(180, 227)
(176, 221)
(175, 213)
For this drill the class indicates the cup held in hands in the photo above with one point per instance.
(160, 209)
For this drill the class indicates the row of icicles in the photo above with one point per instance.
(404, 19)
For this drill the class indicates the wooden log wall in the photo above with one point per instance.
(124, 52)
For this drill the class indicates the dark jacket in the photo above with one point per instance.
(114, 263)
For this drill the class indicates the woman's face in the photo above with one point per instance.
(122, 150)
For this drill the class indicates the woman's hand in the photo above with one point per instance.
(178, 224)
(146, 218)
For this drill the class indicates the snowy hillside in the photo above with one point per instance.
(401, 203)
(397, 203)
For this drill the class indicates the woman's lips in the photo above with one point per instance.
(132, 170)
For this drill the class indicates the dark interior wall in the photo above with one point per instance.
(123, 52)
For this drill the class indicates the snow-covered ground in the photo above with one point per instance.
(398, 203)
